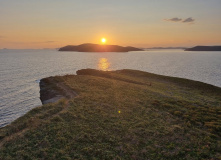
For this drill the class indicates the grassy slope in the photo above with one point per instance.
(171, 119)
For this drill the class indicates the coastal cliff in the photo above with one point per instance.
(52, 90)
(124, 114)
(98, 48)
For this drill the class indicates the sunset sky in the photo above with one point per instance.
(139, 23)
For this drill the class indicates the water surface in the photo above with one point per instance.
(21, 70)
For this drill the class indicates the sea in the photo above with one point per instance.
(22, 70)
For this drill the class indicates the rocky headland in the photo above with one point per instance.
(124, 114)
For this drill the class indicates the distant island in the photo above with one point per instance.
(88, 47)
(204, 48)
(167, 48)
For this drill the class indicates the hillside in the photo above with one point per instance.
(98, 48)
(204, 48)
(123, 114)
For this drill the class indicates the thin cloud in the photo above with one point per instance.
(2, 37)
(188, 20)
(173, 19)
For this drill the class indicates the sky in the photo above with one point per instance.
(139, 23)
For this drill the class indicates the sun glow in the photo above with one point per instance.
(103, 40)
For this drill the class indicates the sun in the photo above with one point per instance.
(103, 40)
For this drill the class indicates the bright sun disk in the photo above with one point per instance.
(103, 40)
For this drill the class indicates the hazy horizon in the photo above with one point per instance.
(28, 24)
(154, 47)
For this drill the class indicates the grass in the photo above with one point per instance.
(122, 114)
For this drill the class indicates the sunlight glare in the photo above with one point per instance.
(103, 40)
(103, 64)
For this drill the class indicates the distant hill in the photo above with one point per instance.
(98, 48)
(167, 48)
(204, 48)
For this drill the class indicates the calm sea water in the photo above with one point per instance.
(21, 70)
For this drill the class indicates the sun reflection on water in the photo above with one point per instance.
(103, 64)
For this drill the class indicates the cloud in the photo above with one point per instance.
(188, 20)
(173, 19)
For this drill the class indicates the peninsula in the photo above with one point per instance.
(123, 114)
(88, 47)
(204, 48)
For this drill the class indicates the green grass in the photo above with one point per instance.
(172, 118)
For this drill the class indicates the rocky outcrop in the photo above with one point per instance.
(52, 91)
